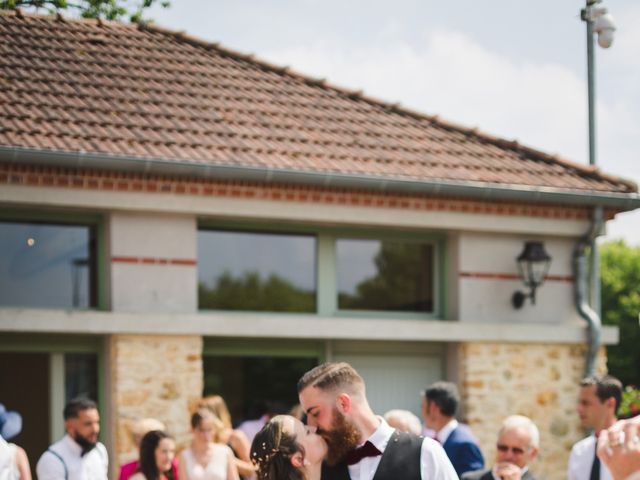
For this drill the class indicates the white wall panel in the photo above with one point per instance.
(395, 381)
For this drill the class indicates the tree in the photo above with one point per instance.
(620, 274)
(105, 9)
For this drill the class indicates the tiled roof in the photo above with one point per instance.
(120, 89)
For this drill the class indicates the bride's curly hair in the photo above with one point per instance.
(271, 452)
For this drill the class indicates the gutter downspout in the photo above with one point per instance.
(594, 323)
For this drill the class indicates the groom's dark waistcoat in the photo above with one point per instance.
(400, 461)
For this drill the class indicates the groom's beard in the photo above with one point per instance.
(85, 444)
(341, 439)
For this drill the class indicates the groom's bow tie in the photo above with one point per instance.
(366, 450)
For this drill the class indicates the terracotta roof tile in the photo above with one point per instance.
(102, 87)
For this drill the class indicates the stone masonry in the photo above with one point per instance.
(536, 380)
(153, 376)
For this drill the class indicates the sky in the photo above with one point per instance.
(512, 68)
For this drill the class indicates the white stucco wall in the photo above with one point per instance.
(482, 297)
(157, 284)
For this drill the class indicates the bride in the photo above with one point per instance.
(285, 449)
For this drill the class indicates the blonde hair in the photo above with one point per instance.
(205, 414)
(217, 406)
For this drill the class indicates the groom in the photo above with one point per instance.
(361, 445)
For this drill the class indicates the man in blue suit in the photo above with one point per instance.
(439, 408)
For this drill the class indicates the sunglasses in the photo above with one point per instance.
(506, 448)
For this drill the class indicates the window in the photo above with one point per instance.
(256, 271)
(81, 376)
(381, 275)
(47, 265)
(251, 383)
(320, 271)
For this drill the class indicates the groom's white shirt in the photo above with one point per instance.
(434, 463)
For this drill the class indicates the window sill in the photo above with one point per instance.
(252, 325)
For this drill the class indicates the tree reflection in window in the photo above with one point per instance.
(384, 275)
(256, 271)
(252, 292)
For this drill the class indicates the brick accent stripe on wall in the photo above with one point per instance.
(512, 276)
(87, 179)
(154, 261)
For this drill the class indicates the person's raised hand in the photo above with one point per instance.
(619, 448)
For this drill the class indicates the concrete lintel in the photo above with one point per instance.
(252, 210)
(290, 326)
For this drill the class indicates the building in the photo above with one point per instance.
(177, 217)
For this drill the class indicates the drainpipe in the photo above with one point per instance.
(591, 316)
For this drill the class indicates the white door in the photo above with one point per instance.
(394, 380)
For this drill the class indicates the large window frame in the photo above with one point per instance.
(326, 268)
(95, 224)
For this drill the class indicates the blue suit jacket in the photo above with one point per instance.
(463, 451)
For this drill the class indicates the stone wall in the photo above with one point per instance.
(539, 381)
(153, 376)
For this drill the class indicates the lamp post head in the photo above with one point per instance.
(601, 21)
(605, 27)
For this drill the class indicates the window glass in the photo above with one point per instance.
(81, 376)
(250, 385)
(256, 271)
(45, 265)
(384, 275)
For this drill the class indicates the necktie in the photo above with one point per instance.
(595, 466)
(366, 450)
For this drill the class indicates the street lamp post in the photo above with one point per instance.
(599, 22)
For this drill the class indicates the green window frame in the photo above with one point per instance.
(326, 268)
(95, 222)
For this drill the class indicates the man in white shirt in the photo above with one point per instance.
(517, 446)
(361, 444)
(78, 455)
(598, 404)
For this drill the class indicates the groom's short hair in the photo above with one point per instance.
(331, 377)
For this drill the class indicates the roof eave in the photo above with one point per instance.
(478, 190)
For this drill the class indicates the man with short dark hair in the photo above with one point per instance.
(439, 407)
(78, 455)
(360, 444)
(598, 403)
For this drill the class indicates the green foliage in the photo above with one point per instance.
(403, 281)
(105, 9)
(620, 274)
(630, 405)
(250, 292)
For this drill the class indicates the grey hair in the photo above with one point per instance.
(520, 421)
(408, 421)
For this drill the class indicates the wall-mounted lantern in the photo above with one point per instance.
(533, 265)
